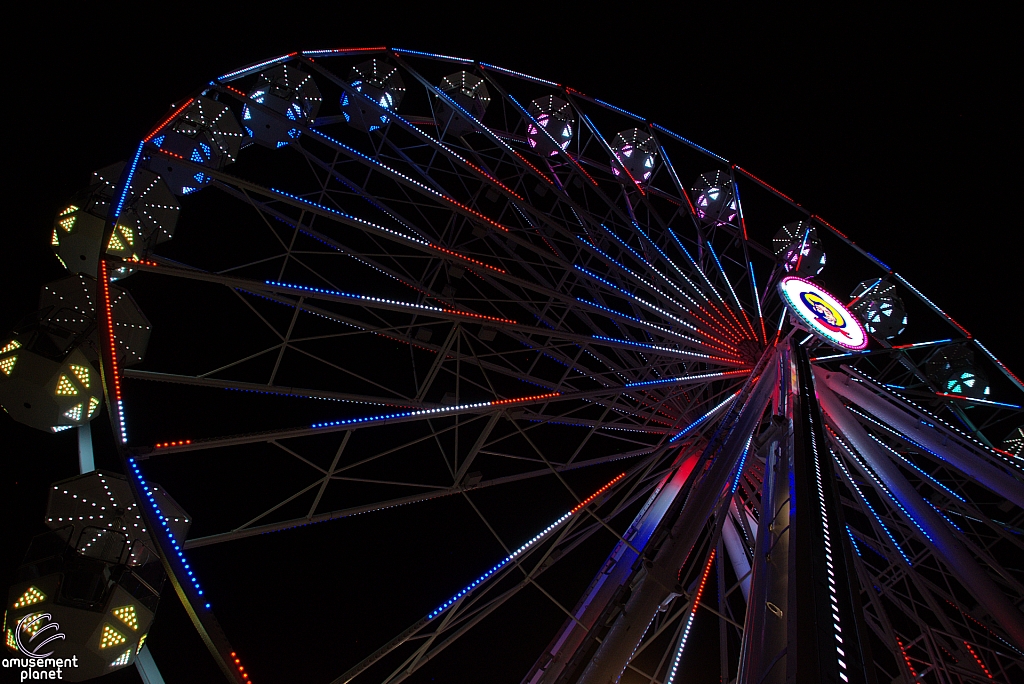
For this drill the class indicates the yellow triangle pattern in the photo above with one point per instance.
(66, 388)
(55, 240)
(127, 615)
(11, 643)
(75, 413)
(93, 403)
(31, 629)
(115, 243)
(31, 595)
(7, 365)
(11, 346)
(70, 210)
(123, 660)
(128, 233)
(111, 637)
(67, 223)
(141, 642)
(82, 373)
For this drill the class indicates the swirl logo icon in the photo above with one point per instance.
(823, 314)
(40, 630)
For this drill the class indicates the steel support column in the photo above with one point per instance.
(826, 628)
(661, 579)
(948, 548)
(988, 475)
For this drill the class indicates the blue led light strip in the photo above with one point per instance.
(878, 261)
(515, 554)
(163, 522)
(686, 378)
(642, 322)
(641, 345)
(878, 519)
(936, 509)
(727, 282)
(698, 269)
(760, 314)
(381, 300)
(703, 418)
(128, 182)
(739, 468)
(653, 287)
(436, 411)
(892, 497)
(853, 540)
(691, 144)
(619, 109)
(659, 310)
(863, 498)
(909, 463)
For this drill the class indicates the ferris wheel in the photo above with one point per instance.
(379, 289)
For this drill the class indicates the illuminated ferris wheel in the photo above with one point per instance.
(400, 279)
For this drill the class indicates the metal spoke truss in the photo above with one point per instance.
(398, 277)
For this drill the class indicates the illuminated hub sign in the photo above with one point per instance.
(823, 313)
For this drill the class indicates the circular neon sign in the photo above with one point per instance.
(824, 314)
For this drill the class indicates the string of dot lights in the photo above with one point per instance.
(522, 549)
(652, 287)
(674, 669)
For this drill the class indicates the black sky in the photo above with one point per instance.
(899, 130)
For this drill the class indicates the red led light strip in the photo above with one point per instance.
(495, 180)
(232, 89)
(469, 259)
(180, 442)
(169, 119)
(108, 322)
(703, 581)
(481, 316)
(171, 154)
(596, 494)
(539, 172)
(825, 223)
(534, 397)
(971, 617)
(906, 659)
(241, 669)
(693, 210)
(476, 213)
(773, 189)
(978, 659)
(547, 243)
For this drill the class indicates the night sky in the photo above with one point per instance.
(895, 129)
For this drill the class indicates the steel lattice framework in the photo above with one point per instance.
(398, 277)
